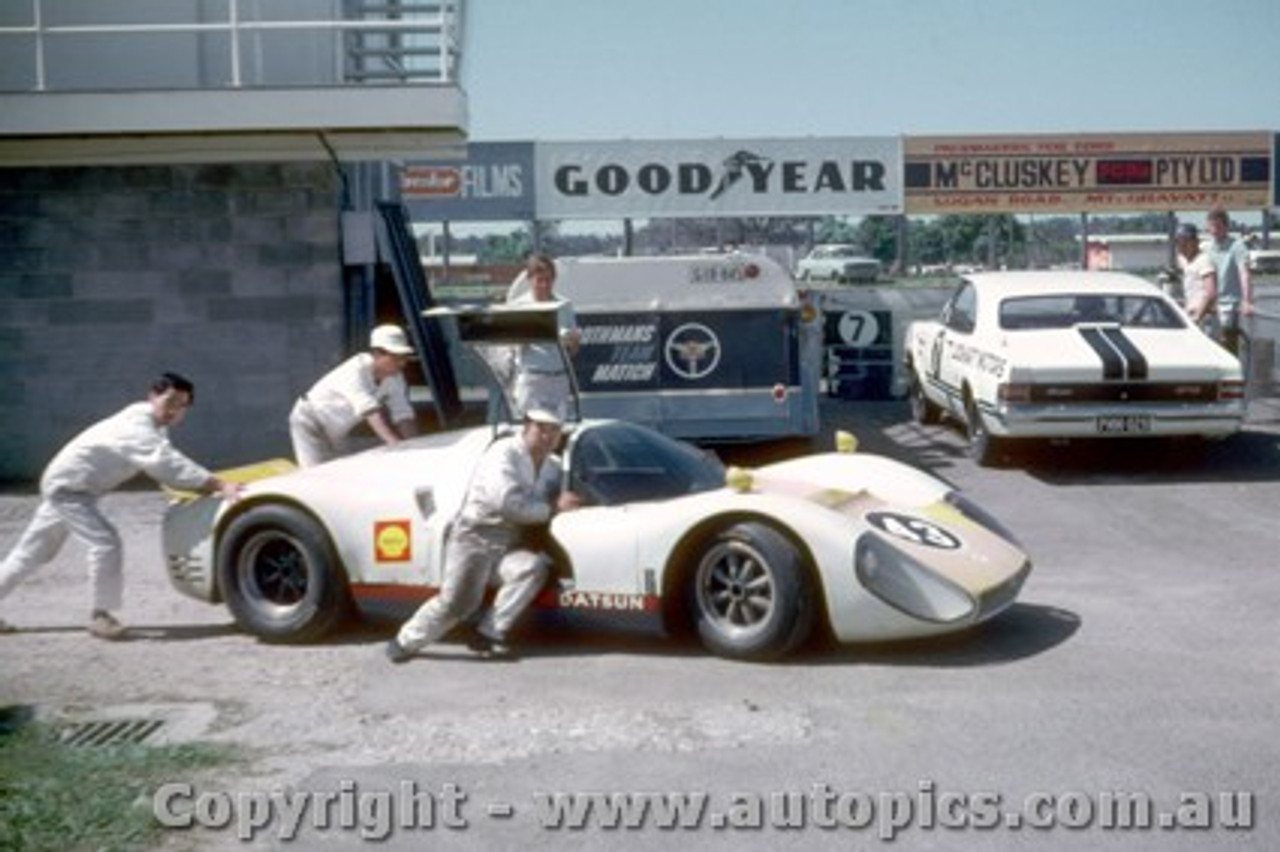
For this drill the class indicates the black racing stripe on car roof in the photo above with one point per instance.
(1137, 362)
(1112, 363)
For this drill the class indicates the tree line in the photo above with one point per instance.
(987, 240)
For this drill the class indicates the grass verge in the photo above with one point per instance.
(59, 797)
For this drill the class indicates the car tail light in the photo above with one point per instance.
(1013, 393)
(1231, 389)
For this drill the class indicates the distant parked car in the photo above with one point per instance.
(1264, 261)
(1069, 355)
(838, 262)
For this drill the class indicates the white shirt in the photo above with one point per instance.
(506, 492)
(539, 357)
(114, 450)
(1194, 272)
(348, 394)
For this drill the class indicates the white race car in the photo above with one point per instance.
(753, 560)
(1069, 355)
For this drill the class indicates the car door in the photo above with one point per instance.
(946, 362)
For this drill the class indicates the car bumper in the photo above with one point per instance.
(1049, 421)
(187, 540)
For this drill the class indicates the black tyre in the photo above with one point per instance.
(923, 411)
(280, 577)
(750, 595)
(984, 448)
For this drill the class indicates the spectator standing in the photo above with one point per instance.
(541, 378)
(1230, 258)
(1199, 280)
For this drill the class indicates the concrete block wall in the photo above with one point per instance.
(229, 274)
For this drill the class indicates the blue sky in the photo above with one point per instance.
(676, 69)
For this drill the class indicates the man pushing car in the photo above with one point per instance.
(99, 459)
(514, 491)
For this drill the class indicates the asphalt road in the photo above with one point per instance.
(1134, 682)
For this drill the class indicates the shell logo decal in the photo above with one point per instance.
(392, 541)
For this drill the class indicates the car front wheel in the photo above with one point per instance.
(280, 577)
(750, 595)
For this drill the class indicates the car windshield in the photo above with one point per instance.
(1065, 310)
(615, 463)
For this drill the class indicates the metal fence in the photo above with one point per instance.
(50, 45)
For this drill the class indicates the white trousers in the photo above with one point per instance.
(58, 516)
(548, 391)
(472, 564)
(311, 445)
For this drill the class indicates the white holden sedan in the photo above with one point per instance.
(1069, 355)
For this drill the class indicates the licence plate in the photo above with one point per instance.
(1124, 424)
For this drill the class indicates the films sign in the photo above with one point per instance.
(493, 183)
(1086, 173)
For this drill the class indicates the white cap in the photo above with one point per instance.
(390, 338)
(542, 415)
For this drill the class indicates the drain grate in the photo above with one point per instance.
(131, 724)
(109, 733)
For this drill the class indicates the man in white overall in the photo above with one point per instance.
(99, 459)
(513, 491)
(355, 390)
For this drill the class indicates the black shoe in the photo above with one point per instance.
(489, 648)
(398, 653)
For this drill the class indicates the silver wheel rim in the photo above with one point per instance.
(735, 588)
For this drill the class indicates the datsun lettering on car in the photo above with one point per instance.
(754, 561)
(1069, 354)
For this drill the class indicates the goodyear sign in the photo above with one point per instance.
(719, 177)
(1086, 173)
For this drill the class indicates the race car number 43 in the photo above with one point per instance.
(1124, 423)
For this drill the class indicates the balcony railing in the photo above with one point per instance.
(62, 45)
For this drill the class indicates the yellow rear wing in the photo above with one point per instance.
(245, 474)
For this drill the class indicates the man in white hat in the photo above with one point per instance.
(354, 391)
(514, 491)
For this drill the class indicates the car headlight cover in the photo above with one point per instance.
(906, 585)
(980, 516)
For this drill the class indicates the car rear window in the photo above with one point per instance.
(1065, 310)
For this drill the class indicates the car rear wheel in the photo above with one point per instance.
(923, 411)
(280, 577)
(984, 448)
(750, 595)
